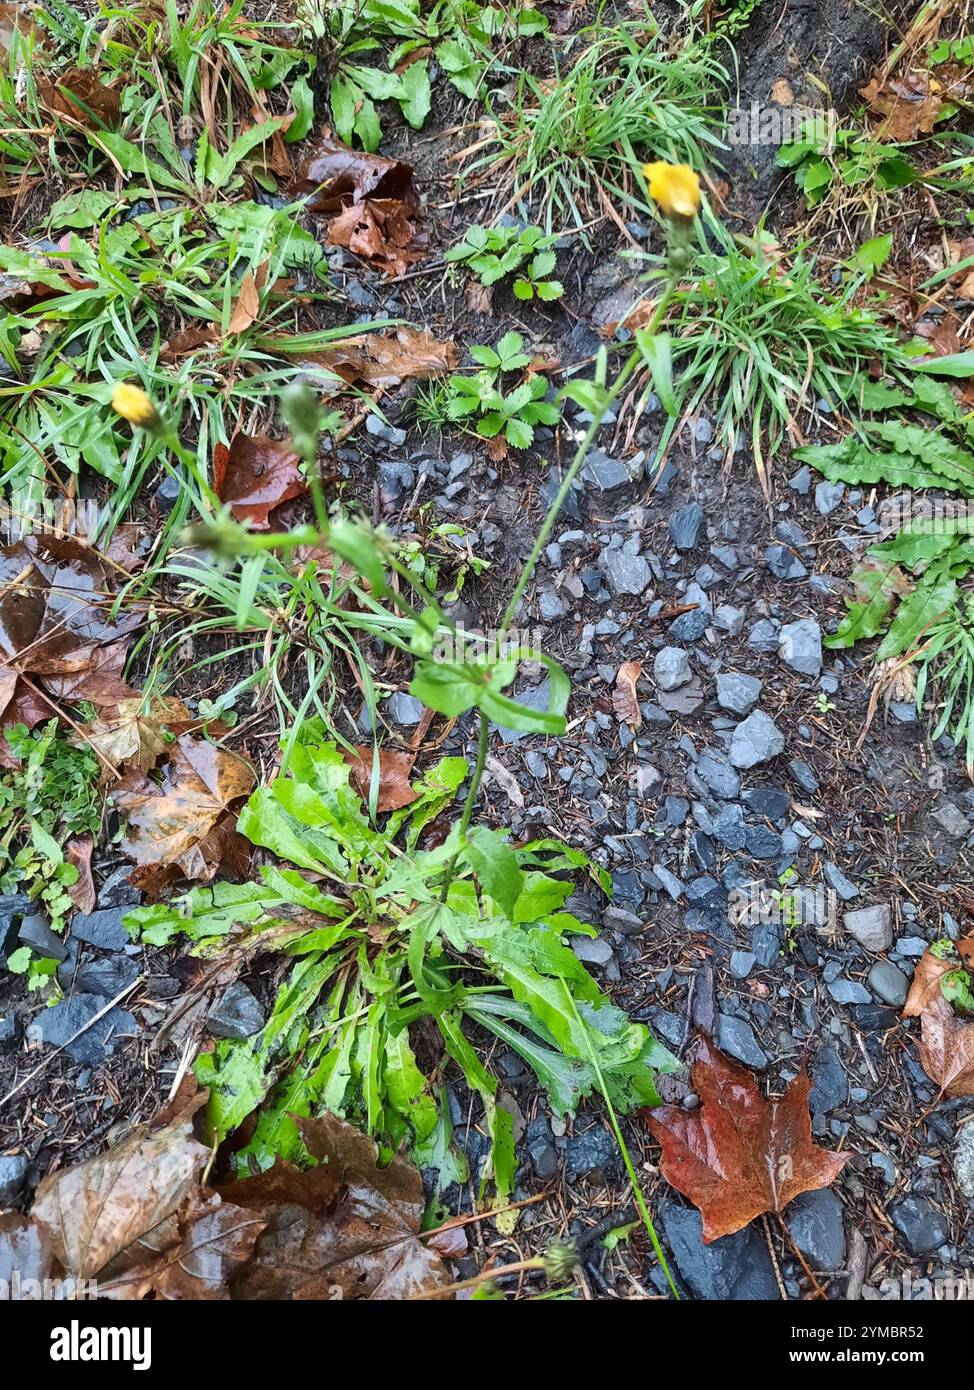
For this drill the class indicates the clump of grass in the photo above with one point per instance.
(754, 335)
(572, 144)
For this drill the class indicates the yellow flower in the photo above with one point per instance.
(675, 187)
(134, 405)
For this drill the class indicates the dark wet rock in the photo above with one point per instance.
(804, 776)
(671, 668)
(684, 526)
(729, 827)
(13, 1173)
(702, 850)
(830, 1085)
(604, 472)
(801, 481)
(734, 1267)
(167, 494)
(718, 775)
(737, 693)
(689, 627)
(814, 1220)
(102, 928)
(736, 1037)
(117, 890)
(620, 920)
(772, 802)
(921, 1225)
(800, 646)
(35, 932)
(676, 809)
(405, 709)
(767, 939)
(550, 605)
(756, 740)
(106, 976)
(874, 1018)
(379, 429)
(871, 926)
(784, 563)
(9, 1030)
(888, 983)
(57, 1027)
(236, 1016)
(395, 478)
(591, 950)
(592, 1152)
(571, 509)
(541, 1150)
(762, 843)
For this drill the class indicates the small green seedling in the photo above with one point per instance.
(493, 252)
(515, 413)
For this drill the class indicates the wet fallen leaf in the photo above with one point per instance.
(363, 1244)
(79, 94)
(246, 310)
(255, 475)
(124, 1200)
(394, 770)
(385, 232)
(625, 701)
(82, 892)
(55, 596)
(335, 175)
(947, 1048)
(220, 1239)
(189, 340)
(383, 359)
(99, 683)
(909, 105)
(132, 733)
(740, 1155)
(16, 17)
(928, 974)
(25, 1254)
(183, 826)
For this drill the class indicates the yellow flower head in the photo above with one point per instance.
(675, 187)
(134, 405)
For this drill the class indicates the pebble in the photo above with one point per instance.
(756, 740)
(36, 933)
(951, 819)
(737, 693)
(718, 775)
(888, 983)
(102, 928)
(830, 1085)
(921, 1225)
(684, 526)
(742, 963)
(800, 646)
(405, 709)
(380, 429)
(236, 1016)
(963, 1159)
(627, 574)
(735, 1267)
(815, 1221)
(845, 888)
(828, 496)
(57, 1027)
(871, 926)
(671, 668)
(848, 992)
(784, 563)
(736, 1037)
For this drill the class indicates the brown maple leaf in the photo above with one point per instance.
(255, 475)
(929, 972)
(625, 701)
(947, 1048)
(740, 1155)
(133, 733)
(394, 769)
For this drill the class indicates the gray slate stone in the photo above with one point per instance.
(734, 1267)
(13, 1171)
(236, 1016)
(58, 1025)
(815, 1222)
(736, 1037)
(627, 574)
(737, 693)
(36, 933)
(756, 740)
(921, 1225)
(405, 709)
(800, 646)
(684, 526)
(951, 818)
(718, 775)
(871, 926)
(671, 668)
(102, 928)
(888, 983)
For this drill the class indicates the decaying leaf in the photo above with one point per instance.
(930, 970)
(183, 826)
(124, 1200)
(246, 310)
(385, 232)
(384, 359)
(625, 701)
(255, 475)
(132, 734)
(740, 1155)
(364, 1244)
(334, 175)
(55, 596)
(394, 770)
(79, 94)
(82, 892)
(909, 105)
(947, 1048)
